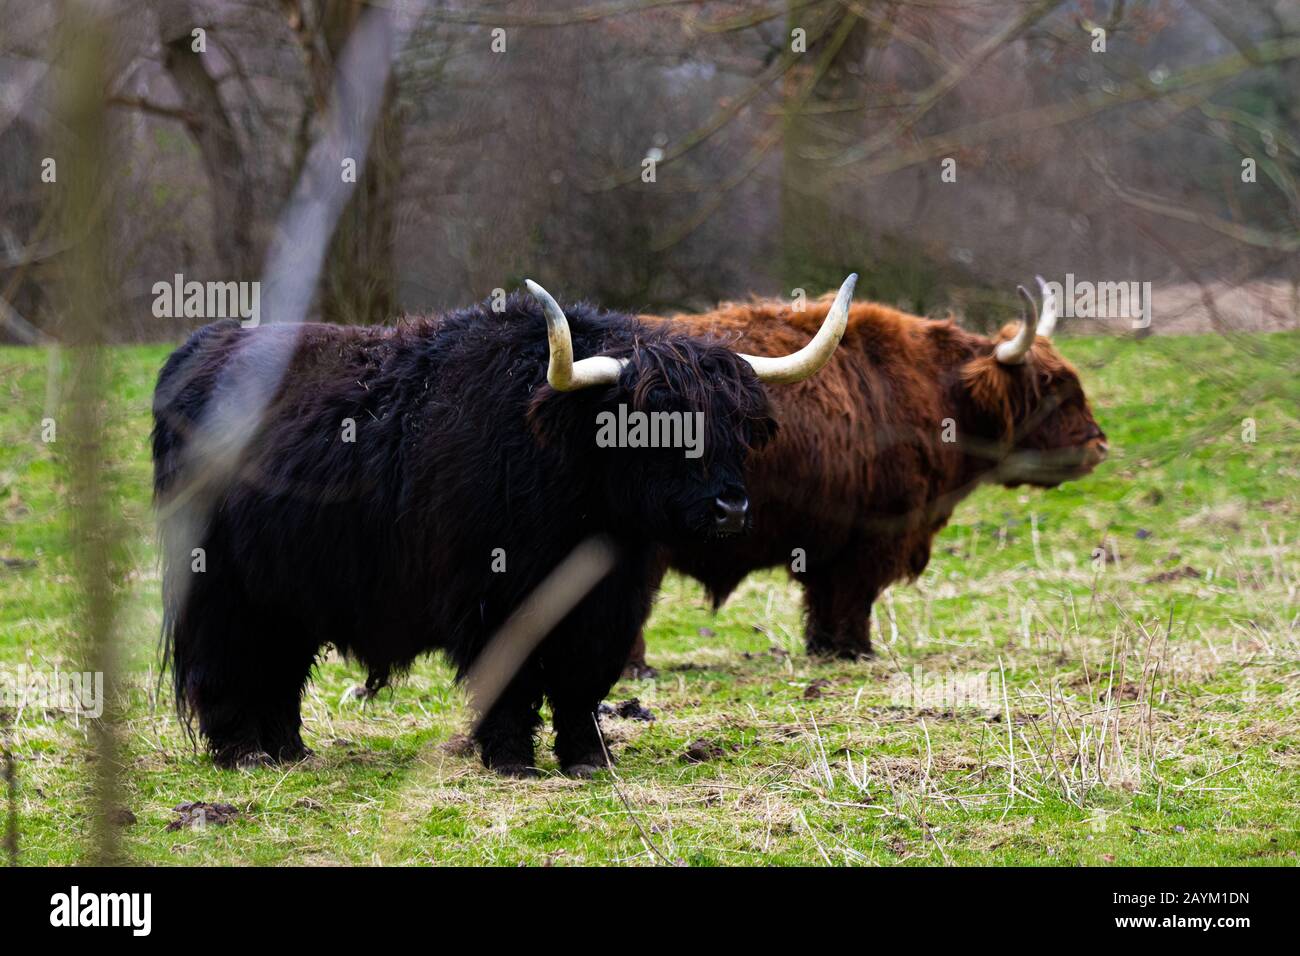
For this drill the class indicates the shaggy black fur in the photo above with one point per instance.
(383, 547)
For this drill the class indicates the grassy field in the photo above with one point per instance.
(1031, 703)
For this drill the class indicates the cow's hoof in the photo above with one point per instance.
(824, 653)
(586, 765)
(638, 670)
(251, 760)
(515, 771)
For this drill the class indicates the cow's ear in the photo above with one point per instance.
(762, 430)
(544, 413)
(558, 419)
(993, 389)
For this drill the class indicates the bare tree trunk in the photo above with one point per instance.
(360, 280)
(360, 277)
(209, 123)
(359, 284)
(819, 244)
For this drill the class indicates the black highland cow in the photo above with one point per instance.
(471, 434)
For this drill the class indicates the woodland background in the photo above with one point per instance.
(776, 169)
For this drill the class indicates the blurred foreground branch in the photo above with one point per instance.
(83, 150)
(11, 800)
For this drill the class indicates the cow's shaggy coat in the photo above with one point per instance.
(383, 547)
(878, 448)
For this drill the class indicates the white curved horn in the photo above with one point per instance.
(564, 374)
(784, 369)
(1014, 350)
(1047, 321)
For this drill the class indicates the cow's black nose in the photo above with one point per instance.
(729, 516)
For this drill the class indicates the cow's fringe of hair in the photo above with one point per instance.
(674, 364)
(1012, 394)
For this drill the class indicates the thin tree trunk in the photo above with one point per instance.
(818, 233)
(214, 133)
(360, 280)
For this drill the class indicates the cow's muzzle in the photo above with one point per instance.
(729, 515)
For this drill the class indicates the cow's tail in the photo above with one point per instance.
(180, 397)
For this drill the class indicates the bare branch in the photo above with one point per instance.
(191, 119)
(1220, 71)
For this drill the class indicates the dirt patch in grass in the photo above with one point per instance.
(200, 813)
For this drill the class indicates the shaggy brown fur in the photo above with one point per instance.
(859, 475)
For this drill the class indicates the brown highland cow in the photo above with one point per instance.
(872, 455)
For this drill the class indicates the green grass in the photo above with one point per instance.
(1119, 719)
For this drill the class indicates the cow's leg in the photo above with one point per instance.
(579, 745)
(277, 719)
(505, 734)
(241, 672)
(584, 657)
(636, 667)
(838, 605)
(575, 692)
